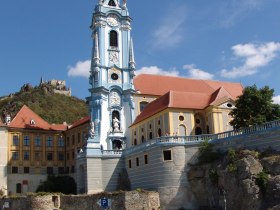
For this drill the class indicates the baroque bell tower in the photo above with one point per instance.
(111, 77)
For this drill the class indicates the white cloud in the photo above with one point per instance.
(81, 69)
(196, 73)
(171, 31)
(158, 71)
(254, 56)
(276, 99)
(235, 10)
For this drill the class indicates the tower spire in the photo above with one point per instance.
(131, 55)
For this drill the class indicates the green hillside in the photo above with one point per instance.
(52, 107)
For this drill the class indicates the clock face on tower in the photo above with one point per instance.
(112, 20)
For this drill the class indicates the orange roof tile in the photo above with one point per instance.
(158, 85)
(27, 119)
(80, 122)
(174, 99)
(59, 127)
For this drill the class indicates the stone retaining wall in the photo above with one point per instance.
(136, 200)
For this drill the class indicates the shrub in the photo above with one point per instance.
(231, 167)
(261, 180)
(62, 184)
(231, 155)
(206, 153)
(213, 175)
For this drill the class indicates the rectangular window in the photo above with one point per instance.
(137, 161)
(129, 163)
(79, 137)
(49, 141)
(49, 170)
(167, 155)
(68, 142)
(60, 156)
(26, 141)
(26, 170)
(15, 140)
(60, 170)
(68, 156)
(26, 155)
(14, 170)
(67, 170)
(49, 156)
(73, 140)
(37, 141)
(73, 154)
(146, 159)
(15, 156)
(60, 141)
(72, 169)
(37, 156)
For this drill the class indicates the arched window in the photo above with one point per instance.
(112, 3)
(198, 131)
(143, 104)
(143, 139)
(182, 130)
(151, 135)
(113, 39)
(159, 132)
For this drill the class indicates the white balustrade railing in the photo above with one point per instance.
(200, 138)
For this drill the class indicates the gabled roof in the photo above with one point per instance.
(80, 122)
(174, 99)
(27, 119)
(158, 85)
(219, 95)
(176, 92)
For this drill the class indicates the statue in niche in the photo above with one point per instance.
(91, 131)
(116, 124)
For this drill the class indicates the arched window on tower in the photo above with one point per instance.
(112, 3)
(113, 39)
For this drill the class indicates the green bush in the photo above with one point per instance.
(58, 184)
(261, 180)
(231, 155)
(206, 153)
(231, 167)
(213, 175)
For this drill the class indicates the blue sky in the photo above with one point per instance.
(228, 40)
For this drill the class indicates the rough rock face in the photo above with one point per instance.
(232, 182)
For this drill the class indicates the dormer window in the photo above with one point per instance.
(112, 3)
(32, 122)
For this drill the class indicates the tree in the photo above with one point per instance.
(255, 106)
(62, 184)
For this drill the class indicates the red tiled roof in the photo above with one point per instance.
(26, 116)
(174, 99)
(158, 85)
(80, 122)
(183, 93)
(59, 127)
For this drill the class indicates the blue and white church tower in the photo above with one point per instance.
(111, 77)
(99, 165)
